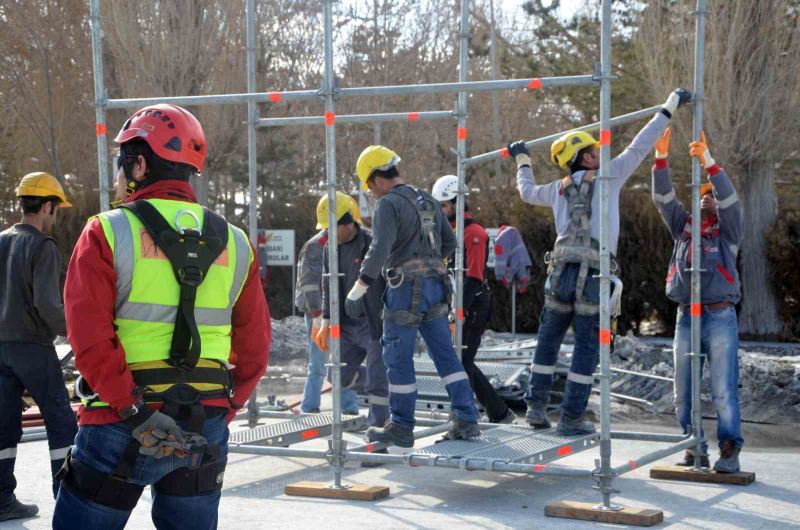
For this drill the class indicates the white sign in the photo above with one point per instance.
(492, 232)
(277, 246)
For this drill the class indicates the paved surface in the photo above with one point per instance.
(438, 498)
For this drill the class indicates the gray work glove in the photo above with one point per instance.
(160, 436)
(354, 303)
(519, 152)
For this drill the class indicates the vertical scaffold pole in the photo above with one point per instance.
(337, 446)
(99, 103)
(252, 118)
(696, 307)
(498, 164)
(461, 111)
(605, 475)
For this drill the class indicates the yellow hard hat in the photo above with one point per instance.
(40, 184)
(344, 204)
(565, 149)
(374, 157)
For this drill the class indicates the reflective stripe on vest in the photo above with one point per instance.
(145, 308)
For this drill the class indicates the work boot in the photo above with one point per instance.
(537, 416)
(462, 430)
(355, 412)
(575, 426)
(728, 457)
(391, 434)
(688, 460)
(369, 464)
(508, 419)
(14, 509)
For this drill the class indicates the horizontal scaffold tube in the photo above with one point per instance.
(655, 456)
(649, 436)
(357, 118)
(546, 140)
(217, 99)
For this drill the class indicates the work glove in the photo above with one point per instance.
(700, 151)
(354, 303)
(662, 144)
(678, 98)
(316, 324)
(160, 436)
(520, 153)
(321, 337)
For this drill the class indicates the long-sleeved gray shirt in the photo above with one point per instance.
(396, 232)
(30, 306)
(620, 170)
(307, 295)
(720, 240)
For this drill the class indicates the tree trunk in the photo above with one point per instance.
(759, 315)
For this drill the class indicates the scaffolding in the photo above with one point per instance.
(503, 438)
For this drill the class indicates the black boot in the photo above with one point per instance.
(568, 426)
(14, 509)
(463, 430)
(537, 416)
(391, 434)
(688, 460)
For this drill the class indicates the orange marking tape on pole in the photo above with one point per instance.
(539, 467)
(370, 447)
(605, 337)
(462, 133)
(330, 117)
(564, 451)
(696, 310)
(461, 314)
(535, 84)
(504, 153)
(413, 116)
(633, 464)
(336, 332)
(101, 129)
(275, 97)
(311, 433)
(605, 137)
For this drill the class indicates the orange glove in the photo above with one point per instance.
(662, 144)
(321, 337)
(700, 151)
(316, 323)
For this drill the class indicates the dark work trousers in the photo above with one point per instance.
(35, 367)
(477, 317)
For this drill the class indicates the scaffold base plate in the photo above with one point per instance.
(291, 432)
(512, 444)
(353, 492)
(667, 472)
(586, 511)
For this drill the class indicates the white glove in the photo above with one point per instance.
(359, 289)
(677, 98)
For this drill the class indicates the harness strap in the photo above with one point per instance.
(191, 254)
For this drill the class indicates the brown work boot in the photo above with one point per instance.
(392, 434)
(688, 460)
(728, 457)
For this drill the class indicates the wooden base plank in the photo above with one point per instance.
(667, 472)
(586, 511)
(354, 492)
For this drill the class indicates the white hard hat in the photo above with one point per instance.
(445, 188)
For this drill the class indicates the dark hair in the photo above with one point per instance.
(577, 164)
(454, 200)
(157, 167)
(32, 205)
(390, 173)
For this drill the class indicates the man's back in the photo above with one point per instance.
(30, 308)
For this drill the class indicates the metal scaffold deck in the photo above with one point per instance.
(294, 431)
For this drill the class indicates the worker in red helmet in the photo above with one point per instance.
(171, 333)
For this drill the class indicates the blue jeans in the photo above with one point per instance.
(316, 374)
(101, 446)
(398, 350)
(719, 340)
(552, 328)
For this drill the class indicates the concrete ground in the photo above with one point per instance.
(438, 498)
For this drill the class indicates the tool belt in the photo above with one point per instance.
(589, 259)
(416, 270)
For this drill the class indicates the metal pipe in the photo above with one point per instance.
(498, 166)
(99, 103)
(33, 437)
(514, 310)
(605, 476)
(461, 191)
(642, 374)
(252, 116)
(337, 447)
(623, 397)
(285, 452)
(412, 117)
(649, 436)
(697, 127)
(216, 99)
(654, 456)
(547, 140)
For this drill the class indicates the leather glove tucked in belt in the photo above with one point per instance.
(354, 304)
(160, 436)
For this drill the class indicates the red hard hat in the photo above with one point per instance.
(172, 132)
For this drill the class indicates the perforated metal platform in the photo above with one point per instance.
(513, 443)
(291, 432)
(504, 372)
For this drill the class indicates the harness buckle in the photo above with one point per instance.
(191, 276)
(394, 277)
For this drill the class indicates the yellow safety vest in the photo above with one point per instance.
(147, 297)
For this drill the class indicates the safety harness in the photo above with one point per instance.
(577, 247)
(180, 382)
(427, 264)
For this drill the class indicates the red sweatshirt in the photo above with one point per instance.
(89, 296)
(475, 245)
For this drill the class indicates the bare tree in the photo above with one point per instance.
(752, 84)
